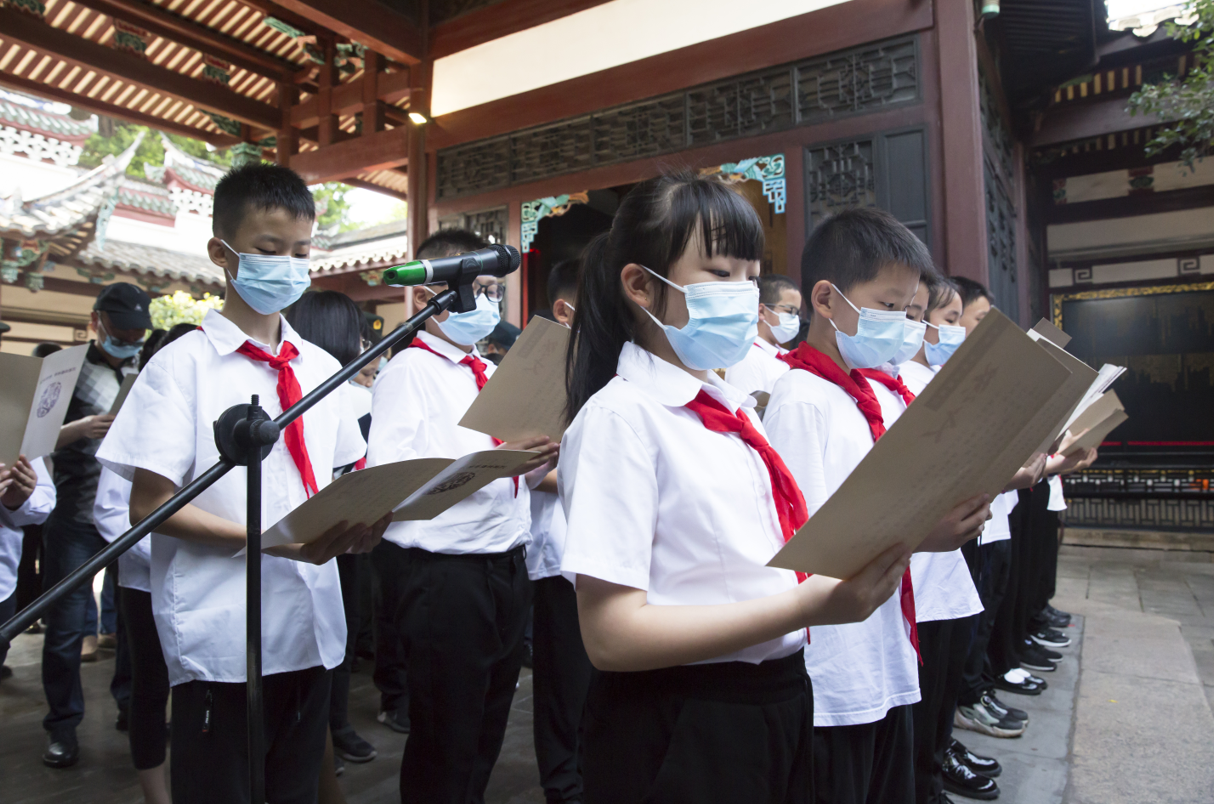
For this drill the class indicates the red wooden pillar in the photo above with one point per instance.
(420, 76)
(965, 250)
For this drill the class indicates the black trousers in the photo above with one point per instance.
(389, 575)
(989, 565)
(1045, 549)
(871, 763)
(561, 677)
(349, 571)
(8, 607)
(462, 618)
(29, 572)
(149, 679)
(943, 646)
(210, 761)
(728, 733)
(1003, 651)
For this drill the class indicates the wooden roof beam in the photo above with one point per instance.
(337, 162)
(75, 50)
(375, 188)
(367, 22)
(272, 9)
(219, 140)
(348, 99)
(498, 20)
(191, 34)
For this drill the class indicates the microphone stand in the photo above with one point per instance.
(245, 434)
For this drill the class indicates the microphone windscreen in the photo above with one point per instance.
(508, 258)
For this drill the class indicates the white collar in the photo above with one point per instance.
(774, 351)
(446, 348)
(671, 385)
(226, 337)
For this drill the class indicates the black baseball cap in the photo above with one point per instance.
(126, 304)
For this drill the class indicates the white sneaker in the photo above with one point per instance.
(1016, 675)
(978, 718)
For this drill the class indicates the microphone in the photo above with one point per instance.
(496, 260)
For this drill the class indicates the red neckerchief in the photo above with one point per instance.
(478, 373)
(288, 394)
(894, 384)
(807, 358)
(790, 504)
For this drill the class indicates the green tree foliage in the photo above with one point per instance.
(331, 198)
(1186, 103)
(113, 138)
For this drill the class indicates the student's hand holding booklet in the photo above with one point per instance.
(834, 602)
(546, 452)
(959, 525)
(337, 540)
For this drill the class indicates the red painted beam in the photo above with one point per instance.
(365, 21)
(348, 98)
(380, 151)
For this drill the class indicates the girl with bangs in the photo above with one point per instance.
(675, 504)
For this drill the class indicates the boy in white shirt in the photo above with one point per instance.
(561, 668)
(27, 496)
(779, 323)
(823, 418)
(461, 606)
(163, 438)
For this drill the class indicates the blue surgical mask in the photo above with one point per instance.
(118, 349)
(723, 322)
(269, 282)
(879, 336)
(470, 327)
(950, 337)
(787, 329)
(122, 351)
(912, 339)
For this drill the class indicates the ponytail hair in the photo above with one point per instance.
(653, 227)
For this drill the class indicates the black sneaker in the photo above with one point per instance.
(1056, 618)
(1035, 658)
(983, 766)
(1049, 638)
(348, 745)
(997, 706)
(62, 751)
(959, 779)
(397, 719)
(339, 765)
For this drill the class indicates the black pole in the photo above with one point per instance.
(257, 743)
(84, 573)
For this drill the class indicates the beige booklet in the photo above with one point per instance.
(421, 488)
(1101, 418)
(1051, 333)
(969, 431)
(1083, 377)
(33, 401)
(128, 382)
(525, 397)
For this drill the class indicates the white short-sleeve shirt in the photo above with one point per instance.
(548, 529)
(112, 516)
(656, 501)
(859, 670)
(416, 406)
(944, 587)
(34, 511)
(198, 591)
(759, 370)
(1057, 501)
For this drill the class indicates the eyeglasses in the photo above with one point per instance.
(783, 308)
(493, 291)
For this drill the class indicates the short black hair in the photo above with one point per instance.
(971, 291)
(563, 279)
(157, 339)
(940, 291)
(853, 246)
(772, 287)
(259, 186)
(46, 349)
(331, 320)
(448, 243)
